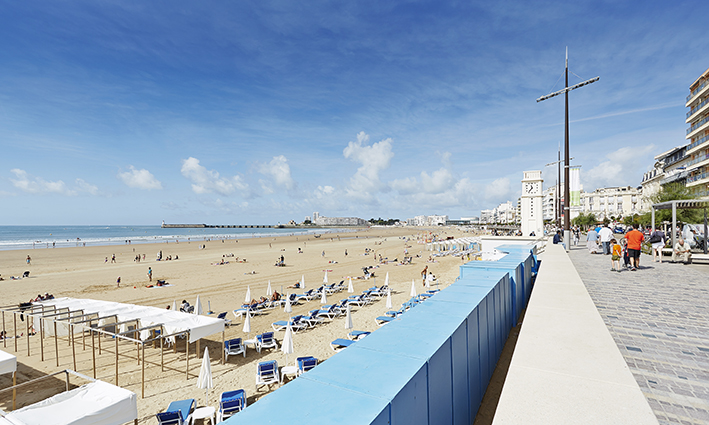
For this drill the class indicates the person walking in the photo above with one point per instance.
(150, 274)
(592, 241)
(29, 260)
(657, 239)
(616, 252)
(606, 234)
(635, 240)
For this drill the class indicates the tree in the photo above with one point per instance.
(674, 192)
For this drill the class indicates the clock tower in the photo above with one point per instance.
(532, 219)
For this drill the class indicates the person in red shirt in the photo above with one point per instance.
(635, 239)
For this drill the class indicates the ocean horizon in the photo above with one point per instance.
(15, 237)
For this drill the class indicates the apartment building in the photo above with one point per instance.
(697, 152)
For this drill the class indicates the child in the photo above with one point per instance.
(617, 251)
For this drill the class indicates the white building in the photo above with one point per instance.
(487, 216)
(320, 220)
(504, 213)
(427, 220)
(549, 203)
(610, 202)
(698, 136)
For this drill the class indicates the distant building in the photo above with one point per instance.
(320, 220)
(307, 218)
(610, 202)
(487, 216)
(427, 220)
(550, 203)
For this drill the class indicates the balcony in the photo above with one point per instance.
(700, 125)
(696, 144)
(697, 91)
(697, 109)
(697, 160)
(698, 179)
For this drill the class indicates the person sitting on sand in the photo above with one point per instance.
(276, 296)
(296, 286)
(184, 306)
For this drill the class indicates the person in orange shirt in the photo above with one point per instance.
(635, 239)
(617, 252)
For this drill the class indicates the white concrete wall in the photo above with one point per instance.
(566, 368)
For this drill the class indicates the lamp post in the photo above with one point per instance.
(557, 202)
(565, 92)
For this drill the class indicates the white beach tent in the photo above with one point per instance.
(96, 403)
(8, 363)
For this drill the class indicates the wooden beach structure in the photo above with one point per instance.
(92, 321)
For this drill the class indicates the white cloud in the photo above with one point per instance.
(498, 190)
(38, 185)
(374, 159)
(140, 179)
(207, 181)
(279, 170)
(621, 168)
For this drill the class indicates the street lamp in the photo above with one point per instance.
(565, 92)
(557, 202)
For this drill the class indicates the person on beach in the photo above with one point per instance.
(296, 286)
(616, 252)
(657, 239)
(113, 258)
(29, 260)
(150, 274)
(635, 241)
(424, 272)
(118, 282)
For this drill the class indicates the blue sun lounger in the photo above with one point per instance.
(340, 344)
(383, 320)
(231, 402)
(177, 413)
(357, 335)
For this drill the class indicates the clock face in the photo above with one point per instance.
(530, 188)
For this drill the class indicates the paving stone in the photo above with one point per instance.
(659, 318)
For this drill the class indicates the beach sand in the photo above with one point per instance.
(82, 272)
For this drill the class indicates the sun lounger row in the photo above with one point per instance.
(236, 346)
(268, 373)
(411, 303)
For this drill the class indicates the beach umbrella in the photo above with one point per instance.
(413, 289)
(386, 280)
(324, 279)
(302, 282)
(204, 380)
(174, 305)
(248, 294)
(323, 297)
(198, 306)
(348, 319)
(247, 323)
(429, 277)
(288, 308)
(350, 288)
(287, 345)
(269, 291)
(388, 298)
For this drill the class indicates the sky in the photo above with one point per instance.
(262, 112)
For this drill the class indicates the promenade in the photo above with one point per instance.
(659, 319)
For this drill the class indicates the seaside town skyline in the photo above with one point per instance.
(120, 113)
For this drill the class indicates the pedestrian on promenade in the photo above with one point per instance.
(657, 239)
(592, 241)
(635, 241)
(682, 252)
(577, 235)
(606, 234)
(616, 251)
(626, 257)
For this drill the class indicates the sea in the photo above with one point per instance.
(42, 237)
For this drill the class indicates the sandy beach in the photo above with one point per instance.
(83, 272)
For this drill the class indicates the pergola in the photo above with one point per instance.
(141, 325)
(683, 204)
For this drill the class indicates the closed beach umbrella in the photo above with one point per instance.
(350, 288)
(413, 289)
(269, 291)
(388, 298)
(386, 280)
(287, 346)
(324, 279)
(288, 308)
(248, 294)
(348, 319)
(204, 380)
(247, 324)
(174, 305)
(323, 297)
(302, 282)
(198, 306)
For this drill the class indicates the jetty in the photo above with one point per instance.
(223, 226)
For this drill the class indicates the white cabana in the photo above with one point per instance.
(173, 321)
(96, 403)
(8, 363)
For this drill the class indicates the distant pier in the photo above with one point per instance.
(224, 226)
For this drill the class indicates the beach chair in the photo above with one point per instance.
(307, 295)
(341, 307)
(223, 317)
(331, 288)
(383, 320)
(231, 402)
(177, 413)
(295, 324)
(305, 364)
(340, 344)
(265, 340)
(328, 311)
(234, 347)
(396, 313)
(357, 335)
(313, 318)
(267, 373)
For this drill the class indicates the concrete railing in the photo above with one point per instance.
(566, 368)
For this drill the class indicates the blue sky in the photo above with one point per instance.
(262, 112)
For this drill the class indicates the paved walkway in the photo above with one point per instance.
(659, 318)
